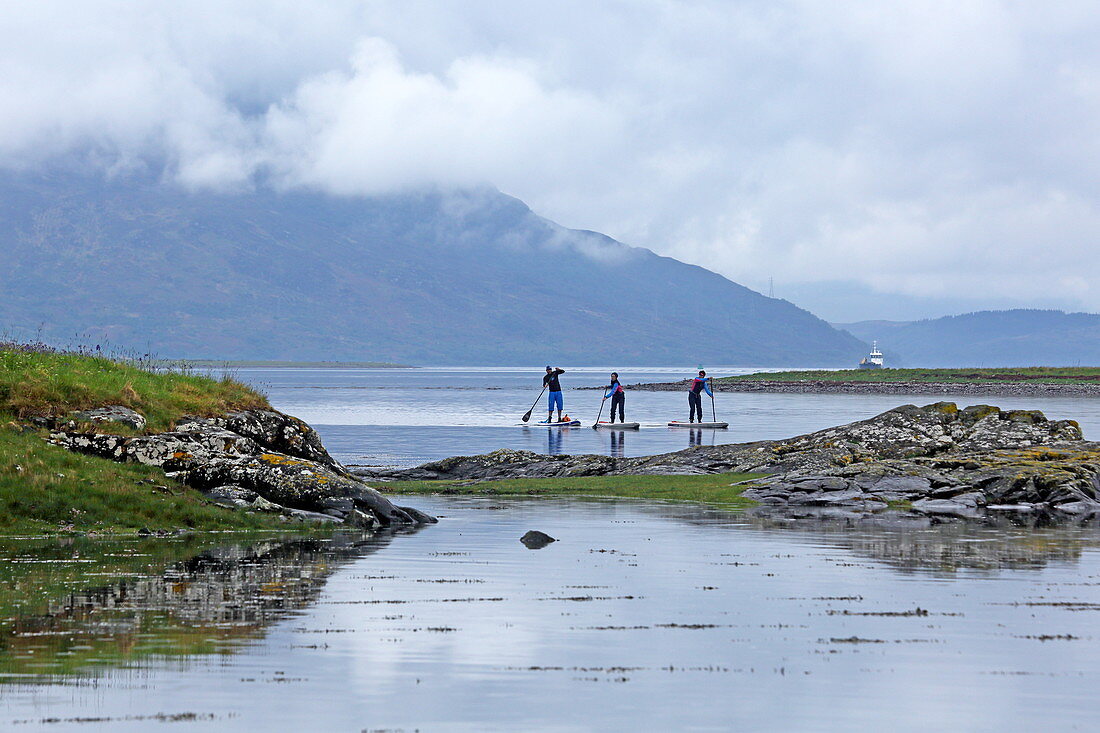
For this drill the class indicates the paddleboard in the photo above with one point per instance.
(617, 425)
(678, 424)
(563, 424)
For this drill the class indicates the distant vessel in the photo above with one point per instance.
(872, 360)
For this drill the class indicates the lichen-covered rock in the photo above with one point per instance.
(271, 430)
(244, 469)
(232, 495)
(114, 413)
(501, 463)
(298, 484)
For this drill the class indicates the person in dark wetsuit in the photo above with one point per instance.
(695, 400)
(618, 398)
(550, 381)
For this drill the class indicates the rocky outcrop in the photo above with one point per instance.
(258, 459)
(114, 413)
(1064, 478)
(936, 459)
(903, 432)
(273, 430)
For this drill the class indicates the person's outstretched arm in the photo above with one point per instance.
(706, 386)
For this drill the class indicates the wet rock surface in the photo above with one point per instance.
(935, 460)
(258, 460)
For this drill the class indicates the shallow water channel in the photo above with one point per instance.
(643, 616)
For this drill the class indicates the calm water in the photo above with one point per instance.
(408, 416)
(643, 616)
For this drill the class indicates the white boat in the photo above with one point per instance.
(874, 359)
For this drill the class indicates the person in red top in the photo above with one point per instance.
(695, 399)
(618, 398)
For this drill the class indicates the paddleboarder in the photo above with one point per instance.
(695, 400)
(550, 382)
(618, 398)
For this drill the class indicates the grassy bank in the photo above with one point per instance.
(44, 488)
(709, 488)
(1026, 375)
(34, 382)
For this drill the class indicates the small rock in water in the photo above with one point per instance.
(535, 540)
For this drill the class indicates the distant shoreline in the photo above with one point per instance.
(245, 364)
(1028, 389)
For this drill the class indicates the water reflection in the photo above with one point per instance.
(555, 439)
(618, 443)
(909, 543)
(743, 620)
(153, 598)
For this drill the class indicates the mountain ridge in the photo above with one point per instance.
(1017, 337)
(466, 277)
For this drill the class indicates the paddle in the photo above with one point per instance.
(596, 424)
(527, 415)
(712, 416)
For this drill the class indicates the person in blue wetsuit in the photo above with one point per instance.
(550, 382)
(695, 400)
(618, 398)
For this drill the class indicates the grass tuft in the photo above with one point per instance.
(713, 488)
(45, 383)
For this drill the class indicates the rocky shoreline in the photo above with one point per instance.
(937, 460)
(252, 460)
(976, 389)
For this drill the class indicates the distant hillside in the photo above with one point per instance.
(1011, 338)
(469, 278)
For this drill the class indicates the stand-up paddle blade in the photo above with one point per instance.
(600, 413)
(527, 415)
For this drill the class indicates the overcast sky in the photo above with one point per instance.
(877, 159)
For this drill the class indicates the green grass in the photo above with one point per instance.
(37, 383)
(44, 488)
(711, 488)
(1039, 375)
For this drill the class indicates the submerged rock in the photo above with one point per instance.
(245, 457)
(535, 540)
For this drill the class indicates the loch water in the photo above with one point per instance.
(404, 417)
(642, 616)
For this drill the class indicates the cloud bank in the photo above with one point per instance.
(941, 150)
